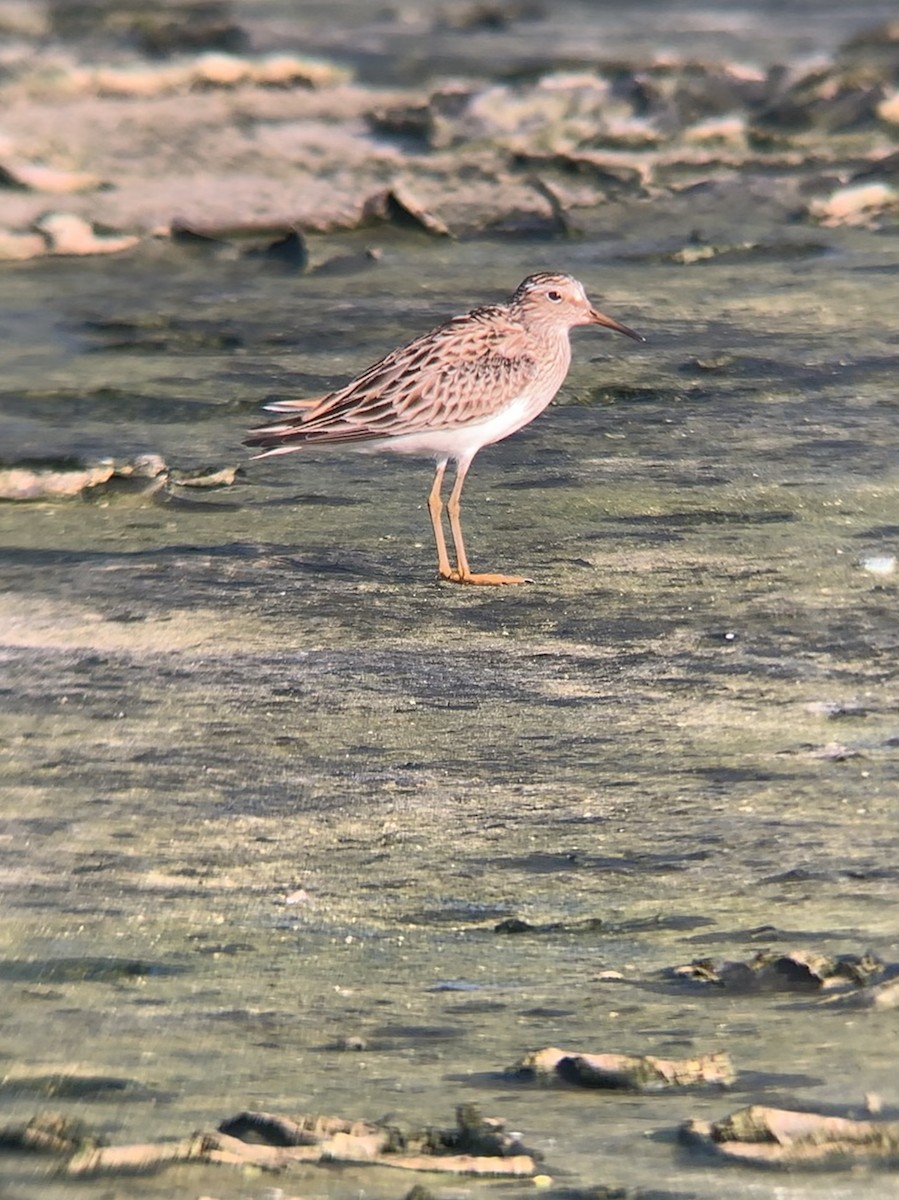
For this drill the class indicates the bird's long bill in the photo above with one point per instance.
(599, 318)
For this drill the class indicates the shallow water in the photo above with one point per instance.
(213, 703)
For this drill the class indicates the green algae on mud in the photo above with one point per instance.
(211, 708)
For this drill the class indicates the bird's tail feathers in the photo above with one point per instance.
(274, 450)
(291, 405)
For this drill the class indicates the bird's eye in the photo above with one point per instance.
(554, 296)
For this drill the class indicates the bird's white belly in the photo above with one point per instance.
(464, 441)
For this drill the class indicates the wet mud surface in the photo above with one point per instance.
(270, 790)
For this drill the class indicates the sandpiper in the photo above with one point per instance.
(470, 382)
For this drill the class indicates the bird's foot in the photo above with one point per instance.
(488, 579)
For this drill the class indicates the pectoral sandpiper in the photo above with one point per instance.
(470, 382)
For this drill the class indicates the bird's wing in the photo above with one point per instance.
(460, 373)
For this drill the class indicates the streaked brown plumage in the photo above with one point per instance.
(468, 383)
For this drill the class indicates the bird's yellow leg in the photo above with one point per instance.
(463, 573)
(435, 508)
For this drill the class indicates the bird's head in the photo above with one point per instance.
(561, 299)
